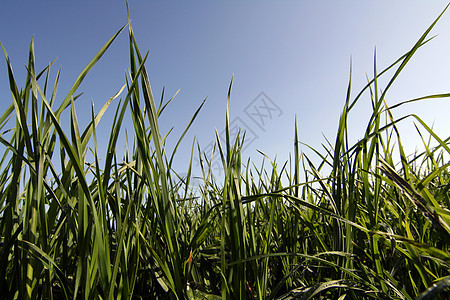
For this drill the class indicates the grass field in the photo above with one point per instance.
(360, 224)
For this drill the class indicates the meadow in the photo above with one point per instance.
(369, 221)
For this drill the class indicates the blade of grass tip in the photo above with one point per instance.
(184, 133)
(161, 100)
(401, 58)
(221, 153)
(403, 158)
(161, 107)
(432, 133)
(372, 134)
(42, 108)
(434, 96)
(376, 103)
(150, 104)
(412, 52)
(115, 129)
(324, 185)
(320, 155)
(85, 71)
(21, 117)
(12, 82)
(55, 88)
(423, 183)
(75, 132)
(296, 160)
(89, 129)
(227, 122)
(13, 86)
(339, 146)
(188, 175)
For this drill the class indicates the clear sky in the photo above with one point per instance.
(291, 57)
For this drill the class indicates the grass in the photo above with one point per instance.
(373, 227)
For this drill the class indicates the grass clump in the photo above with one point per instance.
(130, 228)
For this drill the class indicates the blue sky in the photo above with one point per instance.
(294, 55)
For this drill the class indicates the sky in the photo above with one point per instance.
(288, 59)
